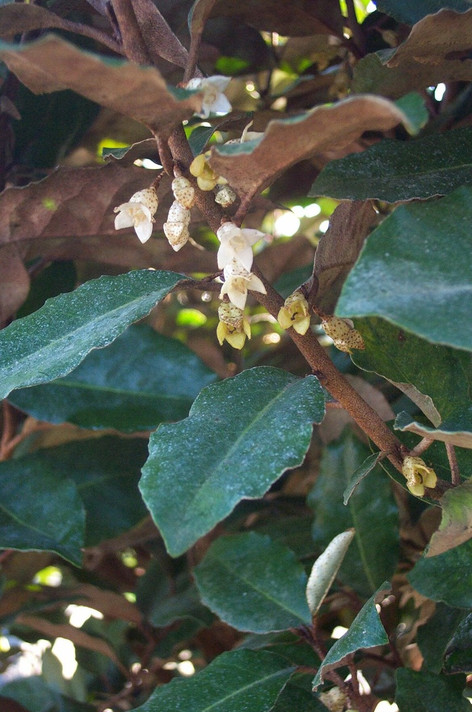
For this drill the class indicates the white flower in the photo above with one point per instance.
(237, 282)
(214, 101)
(138, 213)
(236, 243)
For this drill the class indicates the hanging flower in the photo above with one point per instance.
(214, 100)
(233, 326)
(236, 243)
(176, 227)
(139, 213)
(418, 475)
(183, 191)
(237, 282)
(345, 336)
(295, 312)
(225, 196)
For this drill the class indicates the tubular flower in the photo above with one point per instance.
(237, 282)
(236, 243)
(233, 326)
(139, 213)
(418, 475)
(295, 312)
(205, 175)
(214, 100)
(345, 336)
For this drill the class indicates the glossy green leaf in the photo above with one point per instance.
(57, 278)
(434, 636)
(425, 692)
(414, 108)
(55, 339)
(371, 511)
(446, 577)
(412, 12)
(106, 472)
(325, 568)
(240, 436)
(414, 271)
(440, 390)
(48, 515)
(458, 656)
(366, 631)
(401, 170)
(140, 380)
(234, 682)
(253, 583)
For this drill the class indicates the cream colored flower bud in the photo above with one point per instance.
(183, 191)
(177, 234)
(225, 196)
(345, 336)
(178, 214)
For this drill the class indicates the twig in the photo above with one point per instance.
(453, 464)
(422, 446)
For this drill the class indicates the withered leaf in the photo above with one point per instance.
(252, 166)
(436, 50)
(51, 64)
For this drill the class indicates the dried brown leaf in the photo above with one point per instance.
(252, 166)
(51, 64)
(338, 249)
(296, 18)
(14, 282)
(436, 50)
(76, 635)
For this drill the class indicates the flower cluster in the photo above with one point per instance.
(418, 475)
(235, 259)
(178, 219)
(139, 213)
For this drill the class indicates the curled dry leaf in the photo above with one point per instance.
(51, 64)
(252, 166)
(436, 50)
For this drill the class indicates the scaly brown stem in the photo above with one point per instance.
(453, 464)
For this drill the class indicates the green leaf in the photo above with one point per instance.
(48, 515)
(106, 472)
(55, 339)
(434, 636)
(35, 695)
(414, 108)
(366, 631)
(140, 380)
(297, 695)
(52, 63)
(57, 278)
(325, 568)
(240, 436)
(441, 390)
(367, 466)
(253, 583)
(426, 692)
(458, 656)
(456, 520)
(234, 682)
(371, 511)
(395, 171)
(411, 13)
(414, 271)
(446, 577)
